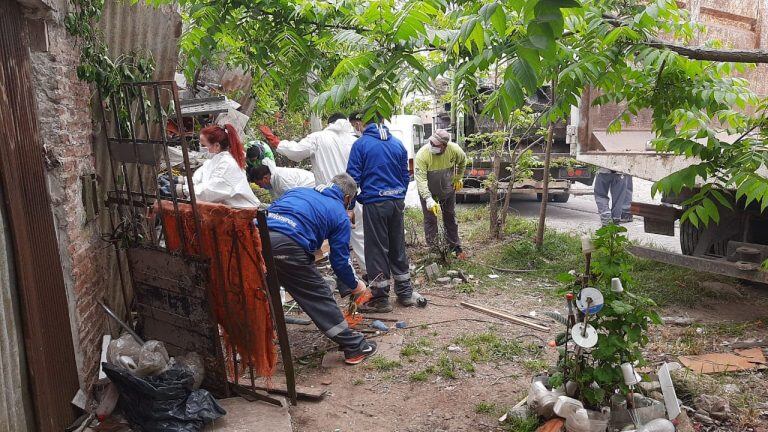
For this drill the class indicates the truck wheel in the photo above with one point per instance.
(689, 238)
(555, 197)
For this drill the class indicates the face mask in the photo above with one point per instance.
(435, 150)
(204, 151)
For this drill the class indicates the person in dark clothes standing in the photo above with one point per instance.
(379, 164)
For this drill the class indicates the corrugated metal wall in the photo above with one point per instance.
(42, 293)
(14, 401)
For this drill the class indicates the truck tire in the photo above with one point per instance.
(689, 238)
(556, 197)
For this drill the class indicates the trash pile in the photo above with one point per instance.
(152, 391)
(596, 385)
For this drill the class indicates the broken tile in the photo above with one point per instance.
(243, 415)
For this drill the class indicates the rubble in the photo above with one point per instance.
(720, 289)
(432, 271)
(713, 406)
(443, 280)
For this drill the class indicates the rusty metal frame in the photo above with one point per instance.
(134, 198)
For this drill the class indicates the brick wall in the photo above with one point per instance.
(65, 124)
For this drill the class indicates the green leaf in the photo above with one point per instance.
(499, 20)
(525, 74)
(541, 36)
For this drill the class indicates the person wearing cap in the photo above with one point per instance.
(439, 169)
(379, 164)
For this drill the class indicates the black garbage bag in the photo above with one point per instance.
(163, 403)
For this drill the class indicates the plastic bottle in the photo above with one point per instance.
(421, 301)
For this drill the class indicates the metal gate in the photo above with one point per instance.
(149, 147)
(42, 294)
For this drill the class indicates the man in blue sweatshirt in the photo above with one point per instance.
(298, 224)
(379, 164)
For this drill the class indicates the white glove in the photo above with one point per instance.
(180, 191)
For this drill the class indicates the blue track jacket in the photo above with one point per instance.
(379, 164)
(309, 216)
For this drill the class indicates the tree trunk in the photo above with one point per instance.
(493, 199)
(512, 175)
(547, 161)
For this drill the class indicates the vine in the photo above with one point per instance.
(95, 65)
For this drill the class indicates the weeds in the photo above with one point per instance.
(485, 408)
(521, 424)
(421, 346)
(536, 365)
(419, 376)
(383, 365)
(489, 346)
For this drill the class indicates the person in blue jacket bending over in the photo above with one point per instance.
(298, 224)
(379, 164)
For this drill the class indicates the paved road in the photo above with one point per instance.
(579, 215)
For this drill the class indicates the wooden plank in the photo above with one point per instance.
(504, 316)
(170, 272)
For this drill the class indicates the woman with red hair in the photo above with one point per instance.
(222, 178)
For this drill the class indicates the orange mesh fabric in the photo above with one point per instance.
(236, 277)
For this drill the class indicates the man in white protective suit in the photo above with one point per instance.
(328, 151)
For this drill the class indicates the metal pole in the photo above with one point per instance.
(273, 285)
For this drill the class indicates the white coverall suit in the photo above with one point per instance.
(328, 150)
(220, 180)
(285, 179)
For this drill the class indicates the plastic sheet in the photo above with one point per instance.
(149, 359)
(164, 403)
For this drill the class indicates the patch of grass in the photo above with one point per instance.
(465, 288)
(473, 213)
(518, 424)
(446, 367)
(419, 376)
(358, 381)
(383, 365)
(489, 346)
(418, 347)
(485, 407)
(535, 365)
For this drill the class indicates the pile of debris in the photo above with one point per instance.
(141, 386)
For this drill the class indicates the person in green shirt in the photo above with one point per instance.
(439, 170)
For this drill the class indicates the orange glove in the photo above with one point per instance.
(271, 138)
(361, 293)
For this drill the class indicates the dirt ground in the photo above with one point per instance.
(460, 370)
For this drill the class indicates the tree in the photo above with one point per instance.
(374, 51)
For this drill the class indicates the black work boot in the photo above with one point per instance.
(377, 305)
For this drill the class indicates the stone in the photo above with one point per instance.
(454, 348)
(720, 289)
(703, 418)
(432, 271)
(444, 280)
(657, 395)
(333, 359)
(714, 406)
(456, 281)
(650, 385)
(452, 273)
(731, 389)
(243, 415)
(684, 423)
